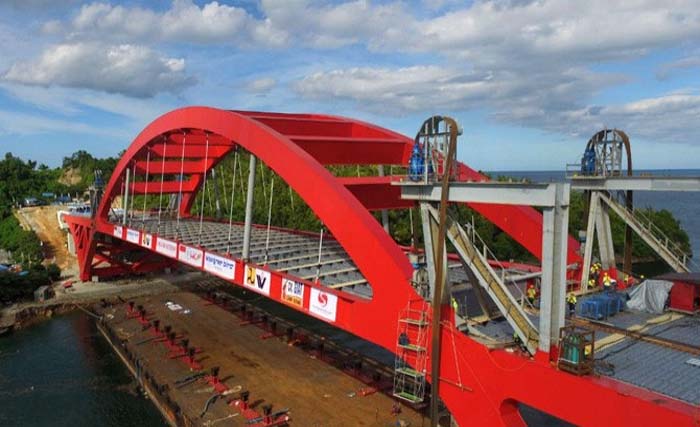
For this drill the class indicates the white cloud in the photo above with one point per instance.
(183, 22)
(261, 86)
(402, 90)
(666, 70)
(52, 27)
(314, 23)
(526, 63)
(667, 118)
(131, 70)
(324, 25)
(482, 31)
(496, 31)
(532, 63)
(510, 96)
(557, 101)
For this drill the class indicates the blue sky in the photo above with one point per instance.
(529, 81)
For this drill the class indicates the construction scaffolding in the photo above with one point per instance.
(411, 352)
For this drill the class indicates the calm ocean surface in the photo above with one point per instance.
(62, 373)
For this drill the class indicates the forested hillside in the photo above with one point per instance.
(20, 179)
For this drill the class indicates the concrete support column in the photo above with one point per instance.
(593, 206)
(554, 248)
(604, 234)
(249, 208)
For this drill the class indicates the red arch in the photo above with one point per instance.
(385, 267)
(479, 386)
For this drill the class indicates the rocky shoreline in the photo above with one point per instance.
(23, 315)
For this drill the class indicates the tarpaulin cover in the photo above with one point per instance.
(650, 296)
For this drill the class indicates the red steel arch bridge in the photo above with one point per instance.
(361, 279)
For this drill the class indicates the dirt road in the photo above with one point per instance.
(43, 220)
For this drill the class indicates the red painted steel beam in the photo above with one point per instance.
(376, 192)
(174, 151)
(195, 137)
(307, 126)
(351, 150)
(170, 167)
(167, 187)
(256, 115)
(483, 387)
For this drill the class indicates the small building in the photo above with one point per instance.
(685, 293)
(30, 201)
(43, 293)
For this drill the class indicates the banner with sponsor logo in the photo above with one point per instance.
(191, 256)
(258, 280)
(323, 304)
(293, 292)
(221, 266)
(118, 231)
(133, 236)
(166, 247)
(147, 240)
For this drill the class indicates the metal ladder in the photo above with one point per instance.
(411, 352)
(652, 235)
(492, 283)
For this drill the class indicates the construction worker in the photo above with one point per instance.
(455, 305)
(516, 339)
(596, 272)
(571, 303)
(531, 293)
(606, 282)
(591, 283)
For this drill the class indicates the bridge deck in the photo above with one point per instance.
(293, 253)
(668, 371)
(274, 372)
(297, 255)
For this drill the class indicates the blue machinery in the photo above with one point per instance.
(430, 149)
